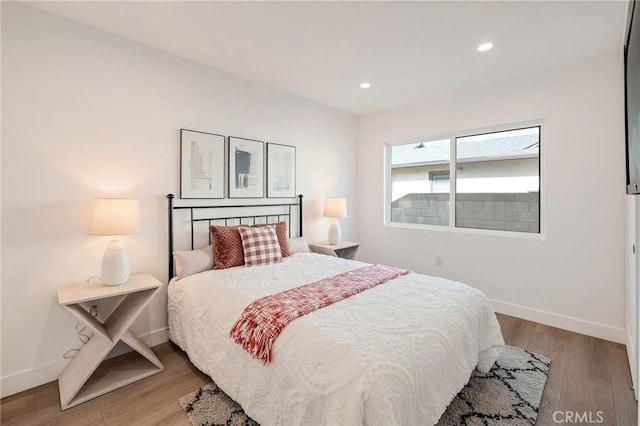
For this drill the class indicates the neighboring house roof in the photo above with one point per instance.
(468, 147)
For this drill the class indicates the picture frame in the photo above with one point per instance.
(246, 168)
(202, 165)
(281, 171)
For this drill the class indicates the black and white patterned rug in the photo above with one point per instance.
(509, 394)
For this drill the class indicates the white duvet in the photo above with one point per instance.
(394, 354)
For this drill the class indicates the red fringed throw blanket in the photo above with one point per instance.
(264, 319)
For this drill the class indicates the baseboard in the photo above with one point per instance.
(32, 377)
(576, 325)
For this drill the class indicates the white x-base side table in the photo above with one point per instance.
(84, 378)
(344, 249)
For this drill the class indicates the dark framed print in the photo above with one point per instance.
(281, 171)
(201, 164)
(246, 168)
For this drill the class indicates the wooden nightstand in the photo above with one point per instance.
(344, 249)
(84, 378)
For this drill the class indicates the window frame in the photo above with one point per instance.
(453, 166)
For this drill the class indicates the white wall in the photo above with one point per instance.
(574, 276)
(87, 114)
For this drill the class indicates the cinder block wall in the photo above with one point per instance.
(499, 211)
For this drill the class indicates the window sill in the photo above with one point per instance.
(487, 232)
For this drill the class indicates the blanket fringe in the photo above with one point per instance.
(253, 338)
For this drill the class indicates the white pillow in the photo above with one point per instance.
(189, 262)
(298, 245)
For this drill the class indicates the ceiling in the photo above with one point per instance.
(408, 51)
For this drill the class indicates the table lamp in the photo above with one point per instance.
(115, 216)
(335, 208)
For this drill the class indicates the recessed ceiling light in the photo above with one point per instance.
(485, 46)
(364, 85)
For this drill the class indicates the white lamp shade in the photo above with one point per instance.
(115, 216)
(335, 207)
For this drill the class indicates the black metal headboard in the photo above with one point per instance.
(208, 214)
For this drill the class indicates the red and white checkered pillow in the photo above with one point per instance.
(260, 245)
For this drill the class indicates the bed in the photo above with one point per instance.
(397, 353)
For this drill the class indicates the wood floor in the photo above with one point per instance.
(587, 375)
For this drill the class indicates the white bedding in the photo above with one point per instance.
(394, 354)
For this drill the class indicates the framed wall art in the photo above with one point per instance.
(201, 164)
(281, 171)
(246, 168)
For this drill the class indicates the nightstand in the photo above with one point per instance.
(84, 378)
(344, 249)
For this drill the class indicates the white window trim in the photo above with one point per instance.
(452, 146)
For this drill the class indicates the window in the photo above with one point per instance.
(420, 183)
(495, 184)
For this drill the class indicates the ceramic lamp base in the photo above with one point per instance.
(334, 232)
(115, 264)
